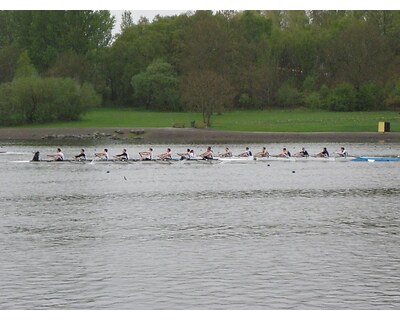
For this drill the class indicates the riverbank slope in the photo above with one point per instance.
(188, 135)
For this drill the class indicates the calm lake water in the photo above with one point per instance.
(291, 235)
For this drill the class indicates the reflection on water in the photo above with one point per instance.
(287, 236)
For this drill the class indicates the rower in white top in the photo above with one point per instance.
(189, 154)
(146, 155)
(342, 153)
(58, 156)
(247, 153)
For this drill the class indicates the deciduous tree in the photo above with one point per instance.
(207, 92)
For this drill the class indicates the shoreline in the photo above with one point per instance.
(187, 136)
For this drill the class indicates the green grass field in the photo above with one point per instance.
(263, 121)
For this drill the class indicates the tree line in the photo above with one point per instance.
(209, 61)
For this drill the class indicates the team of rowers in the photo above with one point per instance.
(189, 154)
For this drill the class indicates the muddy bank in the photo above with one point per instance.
(187, 135)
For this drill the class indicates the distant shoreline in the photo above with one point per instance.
(187, 135)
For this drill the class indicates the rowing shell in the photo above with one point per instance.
(223, 160)
(306, 159)
(236, 159)
(152, 161)
(379, 159)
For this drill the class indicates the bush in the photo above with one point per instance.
(341, 98)
(392, 103)
(369, 97)
(245, 101)
(158, 88)
(313, 101)
(289, 97)
(178, 125)
(392, 93)
(39, 100)
(200, 125)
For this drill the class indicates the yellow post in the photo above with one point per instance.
(383, 126)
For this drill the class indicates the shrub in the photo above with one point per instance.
(40, 100)
(369, 97)
(245, 101)
(392, 103)
(289, 96)
(158, 88)
(313, 101)
(341, 98)
(178, 125)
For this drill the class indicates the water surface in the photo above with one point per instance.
(290, 235)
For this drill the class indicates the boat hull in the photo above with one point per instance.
(378, 159)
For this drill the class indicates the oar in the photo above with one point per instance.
(94, 159)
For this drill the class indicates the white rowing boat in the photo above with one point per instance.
(378, 159)
(305, 159)
(236, 159)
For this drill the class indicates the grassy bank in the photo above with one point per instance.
(262, 121)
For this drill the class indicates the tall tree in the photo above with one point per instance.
(207, 43)
(126, 20)
(207, 92)
(24, 67)
(45, 34)
(158, 87)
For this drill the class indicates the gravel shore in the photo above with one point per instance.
(188, 136)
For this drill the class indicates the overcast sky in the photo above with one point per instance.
(136, 14)
(184, 5)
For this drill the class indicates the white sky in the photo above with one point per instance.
(136, 14)
(185, 5)
(150, 8)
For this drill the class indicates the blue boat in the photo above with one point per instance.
(373, 159)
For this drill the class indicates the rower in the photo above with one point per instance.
(207, 155)
(58, 156)
(285, 153)
(102, 154)
(263, 153)
(81, 156)
(342, 152)
(185, 155)
(302, 153)
(324, 153)
(166, 155)
(123, 156)
(227, 153)
(247, 153)
(146, 155)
